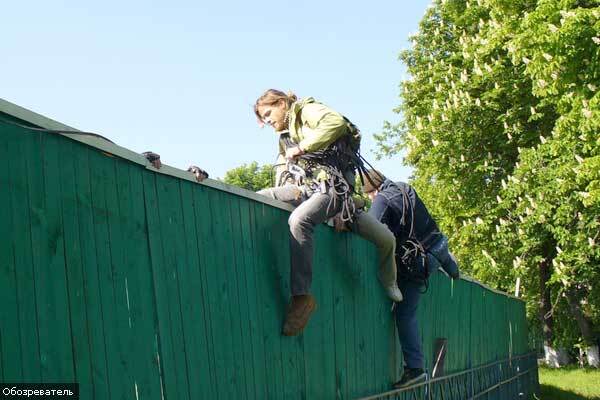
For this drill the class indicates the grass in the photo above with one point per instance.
(569, 383)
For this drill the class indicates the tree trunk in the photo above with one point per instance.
(593, 355)
(585, 326)
(553, 357)
(545, 310)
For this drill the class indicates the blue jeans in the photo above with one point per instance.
(408, 325)
(406, 311)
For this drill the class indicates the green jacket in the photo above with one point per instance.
(314, 126)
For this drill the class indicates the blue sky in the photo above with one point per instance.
(180, 77)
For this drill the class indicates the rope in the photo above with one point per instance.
(334, 160)
(413, 252)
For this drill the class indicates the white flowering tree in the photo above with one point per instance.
(500, 121)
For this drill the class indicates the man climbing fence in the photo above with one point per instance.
(420, 250)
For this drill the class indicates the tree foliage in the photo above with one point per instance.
(250, 176)
(501, 121)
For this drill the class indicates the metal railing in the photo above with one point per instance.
(510, 378)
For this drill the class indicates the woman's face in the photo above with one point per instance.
(274, 115)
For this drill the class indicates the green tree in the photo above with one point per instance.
(559, 44)
(250, 176)
(500, 122)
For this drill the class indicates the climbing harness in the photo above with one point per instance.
(413, 265)
(413, 255)
(292, 172)
(337, 160)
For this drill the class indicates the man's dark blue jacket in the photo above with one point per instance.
(399, 207)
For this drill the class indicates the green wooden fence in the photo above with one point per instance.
(143, 284)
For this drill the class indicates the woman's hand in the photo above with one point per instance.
(293, 152)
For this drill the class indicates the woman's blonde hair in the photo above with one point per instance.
(272, 97)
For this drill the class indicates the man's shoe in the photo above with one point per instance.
(298, 314)
(394, 293)
(410, 376)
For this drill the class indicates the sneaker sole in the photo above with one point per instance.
(412, 381)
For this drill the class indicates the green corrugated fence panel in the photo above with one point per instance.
(134, 283)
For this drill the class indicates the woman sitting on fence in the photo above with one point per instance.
(318, 144)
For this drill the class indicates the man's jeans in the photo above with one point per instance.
(407, 324)
(406, 311)
(311, 211)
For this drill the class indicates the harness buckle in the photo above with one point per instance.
(323, 187)
(297, 172)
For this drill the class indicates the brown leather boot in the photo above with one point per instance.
(298, 314)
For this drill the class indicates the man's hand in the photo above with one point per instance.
(198, 172)
(153, 158)
(293, 152)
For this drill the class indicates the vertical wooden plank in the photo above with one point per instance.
(204, 229)
(280, 270)
(376, 302)
(371, 321)
(273, 299)
(474, 323)
(363, 355)
(290, 347)
(109, 256)
(121, 269)
(459, 359)
(73, 260)
(216, 292)
(325, 276)
(23, 244)
(228, 277)
(239, 300)
(192, 296)
(350, 309)
(483, 324)
(251, 245)
(95, 318)
(363, 365)
(444, 302)
(140, 287)
(315, 350)
(51, 286)
(169, 200)
(12, 362)
(133, 320)
(464, 315)
(246, 299)
(341, 273)
(166, 351)
(1, 359)
(381, 329)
